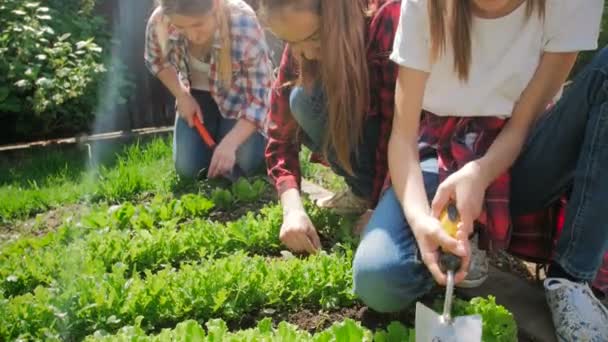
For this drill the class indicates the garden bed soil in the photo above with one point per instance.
(43, 223)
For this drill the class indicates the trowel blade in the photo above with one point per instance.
(430, 327)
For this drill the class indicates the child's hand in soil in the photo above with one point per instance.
(298, 232)
(223, 159)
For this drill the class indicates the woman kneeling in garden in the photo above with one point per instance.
(335, 95)
(471, 127)
(212, 56)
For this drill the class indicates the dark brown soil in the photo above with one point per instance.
(241, 209)
(318, 320)
(306, 319)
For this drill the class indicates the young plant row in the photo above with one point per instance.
(145, 247)
(85, 299)
(104, 233)
(498, 326)
(217, 330)
(162, 210)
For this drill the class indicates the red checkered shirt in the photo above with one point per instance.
(283, 142)
(457, 141)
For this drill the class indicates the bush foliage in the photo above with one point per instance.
(50, 66)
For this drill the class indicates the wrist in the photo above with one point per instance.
(229, 143)
(416, 221)
(481, 168)
(292, 202)
(182, 91)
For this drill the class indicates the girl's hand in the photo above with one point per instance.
(298, 232)
(466, 188)
(431, 236)
(223, 159)
(188, 107)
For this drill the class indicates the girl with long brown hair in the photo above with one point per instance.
(211, 55)
(471, 128)
(334, 94)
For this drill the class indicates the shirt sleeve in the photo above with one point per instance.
(283, 148)
(412, 40)
(257, 70)
(154, 54)
(572, 26)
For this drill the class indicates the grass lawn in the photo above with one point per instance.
(128, 252)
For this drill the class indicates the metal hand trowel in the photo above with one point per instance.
(432, 327)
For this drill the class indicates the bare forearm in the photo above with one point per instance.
(291, 201)
(241, 131)
(404, 162)
(549, 77)
(406, 175)
(169, 78)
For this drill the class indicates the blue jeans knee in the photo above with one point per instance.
(388, 274)
(309, 109)
(250, 155)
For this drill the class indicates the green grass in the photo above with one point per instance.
(52, 178)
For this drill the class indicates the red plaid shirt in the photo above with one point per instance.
(283, 146)
(459, 140)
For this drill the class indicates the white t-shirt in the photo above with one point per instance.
(505, 54)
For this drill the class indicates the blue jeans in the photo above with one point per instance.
(566, 150)
(310, 112)
(191, 155)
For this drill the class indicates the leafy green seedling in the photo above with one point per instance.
(222, 198)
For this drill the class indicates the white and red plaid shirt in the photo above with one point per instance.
(248, 94)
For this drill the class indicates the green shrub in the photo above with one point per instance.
(50, 66)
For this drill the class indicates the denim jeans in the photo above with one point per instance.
(310, 112)
(191, 155)
(567, 149)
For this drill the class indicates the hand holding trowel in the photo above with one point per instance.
(210, 142)
(432, 327)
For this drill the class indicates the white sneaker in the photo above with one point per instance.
(479, 268)
(577, 314)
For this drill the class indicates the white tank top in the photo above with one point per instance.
(199, 74)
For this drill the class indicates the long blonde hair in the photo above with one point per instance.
(457, 18)
(200, 7)
(342, 68)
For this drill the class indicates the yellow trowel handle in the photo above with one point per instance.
(449, 221)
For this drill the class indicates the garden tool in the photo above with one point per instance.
(210, 142)
(432, 327)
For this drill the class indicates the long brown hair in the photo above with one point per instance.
(200, 7)
(457, 18)
(342, 68)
